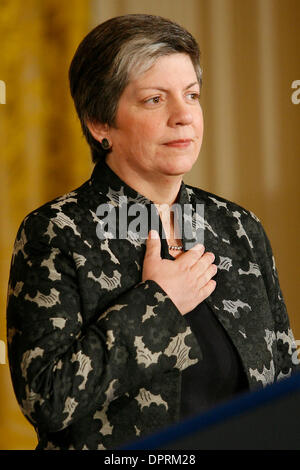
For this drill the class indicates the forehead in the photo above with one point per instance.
(167, 71)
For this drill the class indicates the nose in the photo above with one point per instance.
(180, 113)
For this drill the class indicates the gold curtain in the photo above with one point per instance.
(250, 57)
(43, 154)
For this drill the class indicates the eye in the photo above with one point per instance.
(194, 96)
(153, 100)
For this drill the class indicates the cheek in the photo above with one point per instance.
(198, 127)
(199, 122)
(150, 125)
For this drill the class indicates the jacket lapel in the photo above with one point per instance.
(240, 300)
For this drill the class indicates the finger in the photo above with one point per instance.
(153, 244)
(202, 264)
(210, 272)
(190, 257)
(207, 290)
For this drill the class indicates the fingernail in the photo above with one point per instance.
(198, 247)
(153, 234)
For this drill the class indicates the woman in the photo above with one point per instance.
(112, 336)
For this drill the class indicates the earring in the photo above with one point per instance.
(105, 144)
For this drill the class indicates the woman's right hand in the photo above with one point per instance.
(187, 280)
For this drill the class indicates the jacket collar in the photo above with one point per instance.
(104, 178)
(109, 184)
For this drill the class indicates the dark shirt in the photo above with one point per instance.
(219, 375)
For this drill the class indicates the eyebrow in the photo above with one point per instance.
(164, 89)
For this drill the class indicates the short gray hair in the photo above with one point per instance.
(111, 54)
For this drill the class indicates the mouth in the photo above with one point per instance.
(180, 143)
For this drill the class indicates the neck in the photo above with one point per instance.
(161, 189)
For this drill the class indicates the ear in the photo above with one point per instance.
(98, 130)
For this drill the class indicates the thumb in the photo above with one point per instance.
(153, 244)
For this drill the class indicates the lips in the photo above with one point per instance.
(179, 143)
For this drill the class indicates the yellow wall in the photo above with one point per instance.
(250, 148)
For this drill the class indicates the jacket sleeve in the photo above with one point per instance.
(286, 361)
(63, 368)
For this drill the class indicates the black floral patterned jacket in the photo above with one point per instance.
(96, 354)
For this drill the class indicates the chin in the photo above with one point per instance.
(180, 167)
